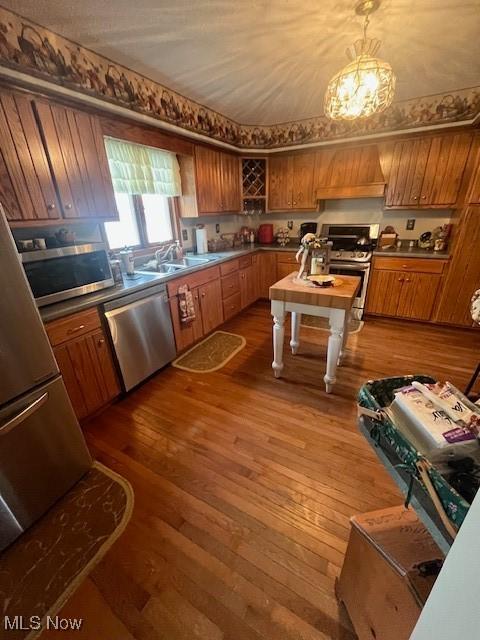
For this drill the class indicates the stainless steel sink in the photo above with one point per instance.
(188, 261)
(162, 268)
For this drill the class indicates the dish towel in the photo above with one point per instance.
(186, 305)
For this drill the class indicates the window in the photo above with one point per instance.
(144, 220)
(144, 180)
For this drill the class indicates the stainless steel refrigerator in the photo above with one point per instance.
(42, 449)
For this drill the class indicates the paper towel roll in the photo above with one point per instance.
(202, 240)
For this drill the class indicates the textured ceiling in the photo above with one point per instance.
(266, 62)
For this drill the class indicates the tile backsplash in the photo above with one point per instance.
(364, 210)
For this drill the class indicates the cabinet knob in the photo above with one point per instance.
(424, 197)
(50, 206)
(289, 204)
(101, 341)
(404, 266)
(415, 197)
(400, 279)
(67, 206)
(407, 280)
(294, 202)
(203, 294)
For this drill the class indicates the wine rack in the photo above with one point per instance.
(254, 185)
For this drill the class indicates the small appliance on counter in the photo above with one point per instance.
(128, 261)
(308, 227)
(265, 234)
(314, 257)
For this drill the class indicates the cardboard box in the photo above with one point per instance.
(381, 585)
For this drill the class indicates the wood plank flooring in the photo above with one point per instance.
(244, 486)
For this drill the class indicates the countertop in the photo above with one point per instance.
(411, 252)
(143, 281)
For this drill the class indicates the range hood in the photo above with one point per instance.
(349, 173)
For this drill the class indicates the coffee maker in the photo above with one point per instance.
(308, 227)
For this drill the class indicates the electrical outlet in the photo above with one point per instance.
(290, 224)
(217, 228)
(410, 224)
(184, 234)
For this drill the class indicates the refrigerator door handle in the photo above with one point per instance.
(24, 414)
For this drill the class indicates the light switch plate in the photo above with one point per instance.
(217, 228)
(290, 224)
(184, 234)
(410, 224)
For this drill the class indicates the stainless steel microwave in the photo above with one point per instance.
(67, 272)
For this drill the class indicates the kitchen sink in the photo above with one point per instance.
(188, 261)
(175, 265)
(162, 268)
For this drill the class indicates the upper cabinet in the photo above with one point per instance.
(74, 143)
(473, 195)
(348, 173)
(53, 164)
(290, 182)
(27, 190)
(210, 183)
(425, 171)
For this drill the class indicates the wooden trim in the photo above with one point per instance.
(374, 190)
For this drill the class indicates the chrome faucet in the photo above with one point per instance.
(163, 254)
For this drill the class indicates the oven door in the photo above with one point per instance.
(360, 269)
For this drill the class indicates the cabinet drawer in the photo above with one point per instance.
(64, 329)
(230, 285)
(228, 267)
(285, 257)
(193, 280)
(232, 306)
(244, 262)
(422, 265)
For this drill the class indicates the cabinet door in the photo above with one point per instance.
(418, 295)
(76, 150)
(27, 191)
(444, 170)
(208, 170)
(280, 185)
(406, 172)
(267, 272)
(463, 276)
(230, 180)
(189, 332)
(88, 372)
(247, 286)
(284, 269)
(384, 291)
(211, 305)
(302, 181)
(474, 189)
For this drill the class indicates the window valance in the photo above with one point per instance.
(138, 169)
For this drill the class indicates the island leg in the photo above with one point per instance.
(278, 313)
(337, 320)
(294, 341)
(346, 326)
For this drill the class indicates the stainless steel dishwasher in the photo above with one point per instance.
(142, 334)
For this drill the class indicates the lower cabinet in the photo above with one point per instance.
(267, 272)
(248, 282)
(85, 361)
(404, 288)
(206, 290)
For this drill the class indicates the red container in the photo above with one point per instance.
(265, 234)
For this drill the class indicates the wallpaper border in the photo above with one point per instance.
(34, 50)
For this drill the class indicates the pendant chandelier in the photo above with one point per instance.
(367, 84)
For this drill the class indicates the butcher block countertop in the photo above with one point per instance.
(337, 297)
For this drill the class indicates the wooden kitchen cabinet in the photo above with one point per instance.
(76, 150)
(290, 182)
(348, 173)
(217, 181)
(211, 305)
(27, 191)
(404, 288)
(426, 171)
(186, 333)
(267, 270)
(247, 286)
(463, 277)
(85, 361)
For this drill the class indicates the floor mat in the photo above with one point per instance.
(211, 354)
(41, 570)
(316, 322)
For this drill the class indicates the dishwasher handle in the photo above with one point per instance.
(129, 299)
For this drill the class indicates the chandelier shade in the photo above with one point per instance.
(363, 87)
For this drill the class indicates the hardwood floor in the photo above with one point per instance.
(244, 486)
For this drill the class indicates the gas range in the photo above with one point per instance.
(350, 256)
(352, 243)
